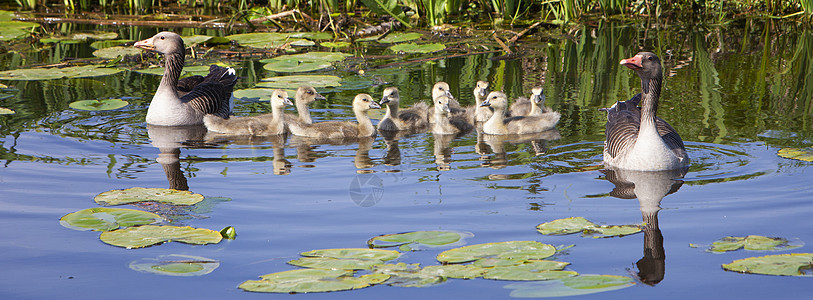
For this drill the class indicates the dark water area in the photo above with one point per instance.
(736, 93)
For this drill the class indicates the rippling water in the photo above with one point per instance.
(734, 97)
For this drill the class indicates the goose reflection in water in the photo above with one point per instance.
(169, 140)
(649, 187)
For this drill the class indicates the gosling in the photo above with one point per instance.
(481, 113)
(336, 129)
(413, 118)
(261, 125)
(445, 123)
(499, 124)
(305, 95)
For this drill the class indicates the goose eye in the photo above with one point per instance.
(310, 92)
(649, 58)
(162, 37)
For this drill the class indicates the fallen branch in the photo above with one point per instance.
(274, 16)
(521, 33)
(430, 59)
(502, 45)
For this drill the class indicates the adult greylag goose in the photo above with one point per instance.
(186, 102)
(267, 124)
(445, 123)
(335, 129)
(499, 124)
(636, 139)
(305, 95)
(481, 113)
(413, 118)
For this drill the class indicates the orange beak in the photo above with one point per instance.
(632, 62)
(145, 44)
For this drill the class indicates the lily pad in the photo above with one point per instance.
(100, 35)
(587, 228)
(455, 271)
(751, 242)
(330, 263)
(803, 154)
(10, 30)
(311, 35)
(505, 250)
(400, 37)
(267, 39)
(187, 71)
(417, 240)
(295, 81)
(531, 270)
(571, 286)
(6, 111)
(258, 94)
(335, 44)
(109, 43)
(97, 105)
(416, 48)
(293, 65)
(106, 219)
(57, 73)
(796, 264)
(408, 275)
(113, 52)
(354, 253)
(176, 265)
(89, 71)
(148, 235)
(311, 281)
(138, 194)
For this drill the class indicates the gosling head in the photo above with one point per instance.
(538, 95)
(497, 100)
(441, 104)
(646, 64)
(441, 89)
(391, 96)
(481, 88)
(163, 42)
(307, 94)
(279, 98)
(364, 102)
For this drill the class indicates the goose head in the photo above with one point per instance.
(307, 94)
(163, 42)
(646, 64)
(441, 89)
(364, 102)
(441, 104)
(279, 98)
(538, 95)
(481, 88)
(497, 100)
(391, 96)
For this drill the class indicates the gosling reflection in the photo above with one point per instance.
(393, 154)
(649, 188)
(306, 149)
(169, 140)
(495, 144)
(442, 151)
(280, 165)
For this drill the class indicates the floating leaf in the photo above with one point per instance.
(295, 81)
(803, 154)
(335, 44)
(455, 271)
(257, 94)
(98, 105)
(228, 233)
(416, 240)
(408, 275)
(109, 43)
(530, 270)
(415, 48)
(176, 265)
(31, 74)
(113, 52)
(187, 71)
(294, 65)
(571, 286)
(195, 39)
(355, 253)
(311, 35)
(796, 264)
(148, 235)
(504, 250)
(400, 37)
(89, 71)
(10, 30)
(267, 39)
(6, 111)
(138, 194)
(99, 35)
(311, 281)
(751, 242)
(106, 219)
(579, 224)
(330, 263)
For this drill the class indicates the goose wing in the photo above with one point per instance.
(671, 138)
(623, 123)
(186, 84)
(212, 95)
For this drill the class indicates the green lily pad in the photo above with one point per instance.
(335, 44)
(100, 35)
(330, 263)
(295, 81)
(138, 194)
(148, 235)
(113, 52)
(530, 270)
(570, 286)
(258, 94)
(400, 37)
(354, 253)
(267, 39)
(187, 71)
(57, 73)
(106, 219)
(455, 271)
(109, 43)
(176, 265)
(7, 15)
(97, 105)
(408, 275)
(417, 240)
(796, 264)
(311, 35)
(228, 233)
(751, 242)
(505, 250)
(195, 39)
(803, 154)
(587, 228)
(6, 111)
(311, 281)
(89, 71)
(10, 30)
(293, 65)
(415, 48)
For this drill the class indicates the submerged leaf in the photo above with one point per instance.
(311, 281)
(176, 265)
(530, 270)
(415, 48)
(796, 264)
(503, 250)
(570, 286)
(148, 235)
(98, 105)
(138, 194)
(105, 218)
(416, 240)
(803, 154)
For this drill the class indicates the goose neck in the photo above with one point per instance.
(304, 112)
(173, 67)
(366, 127)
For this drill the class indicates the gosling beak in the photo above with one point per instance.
(145, 44)
(485, 103)
(449, 94)
(287, 101)
(374, 105)
(384, 100)
(632, 62)
(319, 97)
(446, 108)
(483, 92)
(539, 98)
